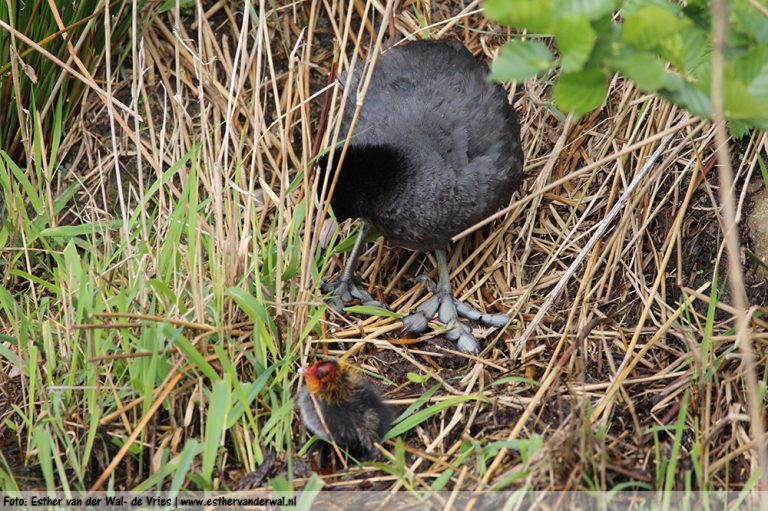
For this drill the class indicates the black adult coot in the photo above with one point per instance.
(436, 148)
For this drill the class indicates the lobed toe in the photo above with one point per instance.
(495, 320)
(468, 342)
(447, 312)
(429, 306)
(415, 323)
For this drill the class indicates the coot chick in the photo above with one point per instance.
(435, 149)
(353, 414)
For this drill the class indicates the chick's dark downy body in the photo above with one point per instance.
(435, 149)
(353, 414)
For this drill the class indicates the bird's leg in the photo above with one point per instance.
(324, 460)
(448, 309)
(345, 289)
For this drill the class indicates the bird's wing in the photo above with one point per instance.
(366, 439)
(424, 84)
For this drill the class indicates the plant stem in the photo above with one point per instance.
(731, 236)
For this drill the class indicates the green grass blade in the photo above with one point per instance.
(218, 409)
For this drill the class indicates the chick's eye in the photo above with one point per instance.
(324, 370)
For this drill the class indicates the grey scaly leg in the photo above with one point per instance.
(448, 309)
(345, 289)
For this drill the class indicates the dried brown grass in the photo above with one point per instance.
(598, 369)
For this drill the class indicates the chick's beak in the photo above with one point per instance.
(303, 371)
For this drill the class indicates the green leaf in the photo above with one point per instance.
(63, 199)
(738, 101)
(194, 357)
(184, 463)
(372, 310)
(738, 129)
(698, 49)
(673, 82)
(349, 242)
(648, 26)
(751, 64)
(45, 448)
(56, 137)
(418, 378)
(31, 192)
(687, 95)
(763, 171)
(758, 87)
(674, 455)
(699, 12)
(308, 495)
(533, 15)
(752, 69)
(672, 48)
(575, 39)
(218, 409)
(442, 480)
(70, 231)
(520, 60)
(423, 398)
(251, 391)
(73, 268)
(179, 466)
(184, 5)
(252, 307)
(632, 6)
(645, 69)
(580, 92)
(608, 39)
(696, 101)
(593, 9)
(752, 21)
(421, 416)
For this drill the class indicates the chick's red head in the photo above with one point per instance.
(319, 373)
(328, 379)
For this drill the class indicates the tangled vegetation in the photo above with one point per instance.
(161, 249)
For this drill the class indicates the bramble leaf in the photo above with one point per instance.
(575, 40)
(663, 46)
(645, 69)
(650, 25)
(752, 68)
(534, 15)
(697, 49)
(520, 60)
(751, 20)
(672, 49)
(738, 129)
(593, 9)
(632, 6)
(738, 101)
(580, 92)
(684, 93)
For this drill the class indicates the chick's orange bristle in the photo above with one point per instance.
(329, 380)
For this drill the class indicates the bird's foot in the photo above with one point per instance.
(345, 291)
(448, 309)
(325, 461)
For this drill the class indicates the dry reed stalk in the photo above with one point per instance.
(597, 232)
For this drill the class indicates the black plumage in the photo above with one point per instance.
(339, 404)
(435, 149)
